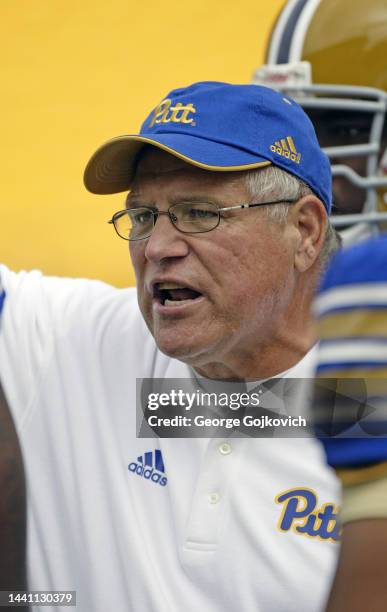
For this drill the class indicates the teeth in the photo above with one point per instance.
(169, 286)
(176, 302)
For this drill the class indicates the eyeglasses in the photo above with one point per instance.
(187, 217)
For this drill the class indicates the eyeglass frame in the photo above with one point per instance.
(156, 212)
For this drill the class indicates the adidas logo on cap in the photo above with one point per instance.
(151, 467)
(286, 148)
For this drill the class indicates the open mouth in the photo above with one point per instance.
(171, 294)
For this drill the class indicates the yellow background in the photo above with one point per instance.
(78, 72)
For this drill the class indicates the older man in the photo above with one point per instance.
(227, 220)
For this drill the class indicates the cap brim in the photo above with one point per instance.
(110, 169)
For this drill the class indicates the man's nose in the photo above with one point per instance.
(166, 241)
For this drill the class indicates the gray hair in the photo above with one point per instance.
(273, 183)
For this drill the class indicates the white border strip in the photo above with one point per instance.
(297, 44)
(367, 294)
(357, 352)
(276, 37)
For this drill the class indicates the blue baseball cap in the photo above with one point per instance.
(221, 128)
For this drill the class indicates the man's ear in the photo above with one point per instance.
(309, 219)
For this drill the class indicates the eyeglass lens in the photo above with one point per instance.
(189, 217)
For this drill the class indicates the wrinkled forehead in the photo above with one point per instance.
(154, 164)
(152, 161)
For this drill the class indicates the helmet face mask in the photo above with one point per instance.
(336, 128)
(347, 129)
(329, 55)
(339, 129)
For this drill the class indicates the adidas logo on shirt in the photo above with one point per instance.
(151, 467)
(286, 148)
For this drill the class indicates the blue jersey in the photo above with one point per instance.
(351, 308)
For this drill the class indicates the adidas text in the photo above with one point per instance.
(286, 148)
(147, 473)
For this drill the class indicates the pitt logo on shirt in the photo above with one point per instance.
(301, 514)
(179, 113)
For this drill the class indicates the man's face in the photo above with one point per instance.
(235, 280)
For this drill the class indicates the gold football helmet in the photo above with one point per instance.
(331, 56)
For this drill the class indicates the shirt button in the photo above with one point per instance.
(225, 448)
(214, 498)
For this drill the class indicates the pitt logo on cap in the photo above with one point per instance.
(179, 113)
(286, 148)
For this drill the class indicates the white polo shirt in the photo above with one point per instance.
(215, 530)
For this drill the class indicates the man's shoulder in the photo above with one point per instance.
(89, 315)
(41, 308)
(26, 290)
